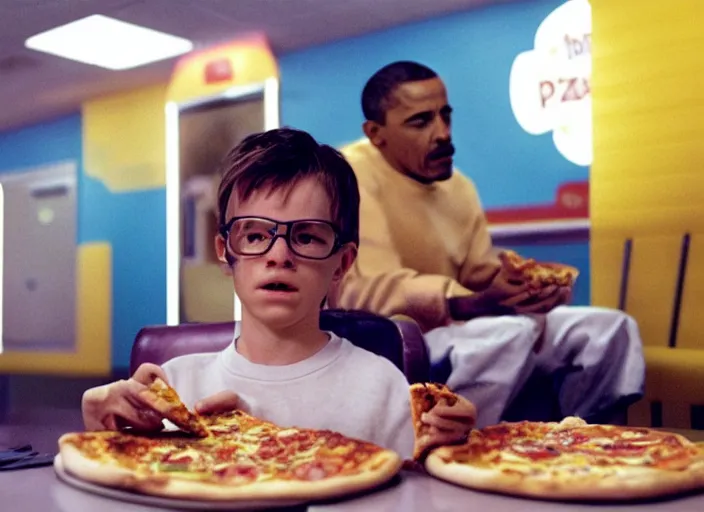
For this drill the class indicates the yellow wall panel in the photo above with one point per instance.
(647, 180)
(124, 139)
(607, 256)
(691, 333)
(94, 304)
(661, 203)
(93, 323)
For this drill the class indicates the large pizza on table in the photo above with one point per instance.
(572, 460)
(231, 456)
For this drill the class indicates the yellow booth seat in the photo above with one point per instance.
(675, 373)
(662, 287)
(674, 382)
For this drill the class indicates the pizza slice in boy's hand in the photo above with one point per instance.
(424, 397)
(165, 400)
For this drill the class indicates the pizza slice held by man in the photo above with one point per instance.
(539, 274)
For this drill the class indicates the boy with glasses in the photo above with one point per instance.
(289, 217)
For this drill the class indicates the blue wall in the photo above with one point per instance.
(132, 222)
(473, 53)
(41, 144)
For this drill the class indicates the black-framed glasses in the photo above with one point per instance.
(308, 238)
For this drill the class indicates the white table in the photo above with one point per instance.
(39, 490)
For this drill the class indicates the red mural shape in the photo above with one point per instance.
(218, 70)
(571, 203)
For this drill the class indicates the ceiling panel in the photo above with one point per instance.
(35, 85)
(20, 19)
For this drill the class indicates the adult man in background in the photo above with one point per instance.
(425, 252)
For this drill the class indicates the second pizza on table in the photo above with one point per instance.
(572, 460)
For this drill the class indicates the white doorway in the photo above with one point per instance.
(199, 135)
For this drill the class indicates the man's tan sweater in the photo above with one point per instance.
(419, 244)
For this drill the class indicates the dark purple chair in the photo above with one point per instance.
(400, 341)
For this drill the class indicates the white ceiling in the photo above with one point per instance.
(35, 86)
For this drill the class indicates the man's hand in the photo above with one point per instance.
(509, 294)
(498, 299)
(448, 424)
(119, 404)
(544, 301)
(224, 401)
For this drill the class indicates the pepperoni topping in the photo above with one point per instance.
(310, 471)
(129, 445)
(534, 451)
(270, 451)
(225, 453)
(306, 444)
(287, 436)
(303, 437)
(334, 440)
(239, 472)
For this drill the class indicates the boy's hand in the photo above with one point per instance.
(449, 424)
(119, 404)
(224, 401)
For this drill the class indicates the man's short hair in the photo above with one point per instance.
(376, 95)
(281, 158)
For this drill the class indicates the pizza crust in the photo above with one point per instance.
(623, 483)
(103, 473)
(385, 464)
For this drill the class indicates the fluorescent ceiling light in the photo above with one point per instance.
(108, 43)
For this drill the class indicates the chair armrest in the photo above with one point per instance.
(416, 360)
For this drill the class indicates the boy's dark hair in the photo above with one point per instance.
(282, 157)
(376, 95)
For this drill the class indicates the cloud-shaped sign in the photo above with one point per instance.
(549, 87)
